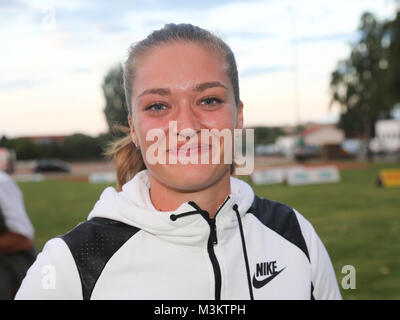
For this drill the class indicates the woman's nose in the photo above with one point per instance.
(187, 119)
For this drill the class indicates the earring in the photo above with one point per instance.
(134, 142)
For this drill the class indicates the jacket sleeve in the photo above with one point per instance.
(53, 276)
(323, 275)
(13, 208)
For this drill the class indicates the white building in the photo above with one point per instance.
(286, 144)
(387, 136)
(320, 135)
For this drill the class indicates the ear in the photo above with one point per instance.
(239, 116)
(132, 131)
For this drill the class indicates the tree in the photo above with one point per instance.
(360, 83)
(25, 149)
(267, 135)
(391, 41)
(5, 142)
(80, 146)
(113, 90)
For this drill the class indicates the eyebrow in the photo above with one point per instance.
(159, 91)
(205, 85)
(199, 87)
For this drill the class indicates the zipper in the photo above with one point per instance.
(212, 240)
(213, 232)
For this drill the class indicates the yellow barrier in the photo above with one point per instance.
(389, 178)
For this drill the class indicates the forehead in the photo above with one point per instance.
(179, 65)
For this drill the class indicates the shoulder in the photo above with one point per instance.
(53, 275)
(6, 181)
(75, 259)
(282, 219)
(92, 243)
(292, 226)
(9, 190)
(4, 177)
(97, 237)
(98, 228)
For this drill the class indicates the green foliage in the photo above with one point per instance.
(26, 149)
(74, 147)
(267, 135)
(113, 91)
(80, 146)
(361, 83)
(391, 41)
(51, 150)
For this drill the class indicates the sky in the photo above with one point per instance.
(54, 55)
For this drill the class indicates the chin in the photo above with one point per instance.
(192, 177)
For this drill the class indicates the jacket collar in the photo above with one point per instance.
(133, 206)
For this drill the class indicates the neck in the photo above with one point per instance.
(165, 198)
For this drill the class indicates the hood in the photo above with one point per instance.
(133, 206)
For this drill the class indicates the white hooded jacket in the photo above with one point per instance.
(254, 248)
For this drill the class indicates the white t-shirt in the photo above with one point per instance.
(12, 207)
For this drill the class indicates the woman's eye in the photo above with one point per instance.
(156, 107)
(210, 101)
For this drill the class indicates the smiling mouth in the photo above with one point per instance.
(188, 150)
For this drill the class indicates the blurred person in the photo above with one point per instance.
(17, 252)
(178, 230)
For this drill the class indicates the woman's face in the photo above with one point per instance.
(183, 86)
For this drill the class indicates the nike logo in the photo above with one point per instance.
(261, 283)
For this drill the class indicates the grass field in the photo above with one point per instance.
(358, 222)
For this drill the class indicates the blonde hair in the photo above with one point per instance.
(128, 158)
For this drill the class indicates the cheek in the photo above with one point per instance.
(225, 118)
(145, 124)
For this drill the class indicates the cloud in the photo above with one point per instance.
(248, 35)
(82, 70)
(21, 84)
(11, 4)
(340, 37)
(256, 71)
(111, 15)
(10, 10)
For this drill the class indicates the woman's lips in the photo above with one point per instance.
(189, 149)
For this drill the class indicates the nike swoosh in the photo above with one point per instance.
(259, 284)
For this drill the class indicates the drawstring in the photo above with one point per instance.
(246, 260)
(197, 210)
(173, 217)
(204, 213)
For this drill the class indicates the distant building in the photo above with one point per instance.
(387, 136)
(287, 144)
(320, 135)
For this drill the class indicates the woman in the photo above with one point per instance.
(181, 230)
(17, 250)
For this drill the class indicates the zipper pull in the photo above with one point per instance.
(213, 228)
